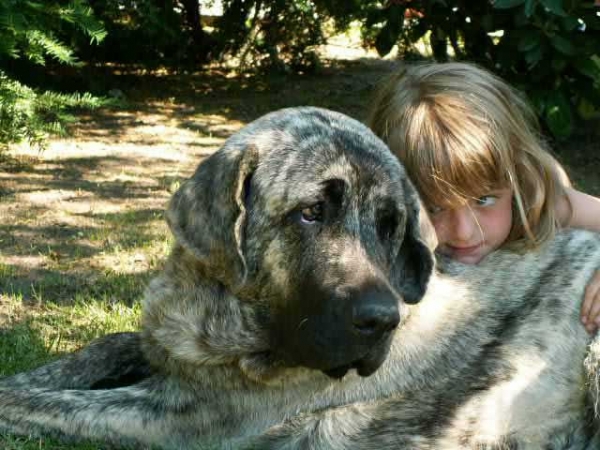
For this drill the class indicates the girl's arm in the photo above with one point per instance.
(584, 212)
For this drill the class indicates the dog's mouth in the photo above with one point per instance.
(364, 370)
(365, 366)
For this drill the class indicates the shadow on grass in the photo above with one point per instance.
(135, 217)
(40, 286)
(22, 239)
(187, 96)
(62, 241)
(60, 277)
(61, 261)
(70, 174)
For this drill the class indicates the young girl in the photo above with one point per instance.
(471, 144)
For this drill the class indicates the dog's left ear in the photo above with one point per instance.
(208, 212)
(415, 261)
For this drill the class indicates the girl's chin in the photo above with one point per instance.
(471, 255)
(472, 260)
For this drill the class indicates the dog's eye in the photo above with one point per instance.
(312, 214)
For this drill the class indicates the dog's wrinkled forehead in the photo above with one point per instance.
(302, 147)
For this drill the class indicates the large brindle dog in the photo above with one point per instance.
(300, 309)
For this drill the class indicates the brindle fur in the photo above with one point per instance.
(267, 330)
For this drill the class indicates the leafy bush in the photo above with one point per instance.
(28, 115)
(278, 34)
(30, 31)
(547, 48)
(149, 32)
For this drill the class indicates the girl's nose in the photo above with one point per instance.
(464, 224)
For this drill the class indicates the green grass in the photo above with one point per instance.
(39, 334)
(19, 443)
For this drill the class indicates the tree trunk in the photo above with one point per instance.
(200, 42)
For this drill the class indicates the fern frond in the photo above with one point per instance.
(82, 15)
(51, 46)
(26, 114)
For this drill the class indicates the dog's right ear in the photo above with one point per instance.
(415, 262)
(208, 212)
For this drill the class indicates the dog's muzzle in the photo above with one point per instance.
(374, 317)
(337, 333)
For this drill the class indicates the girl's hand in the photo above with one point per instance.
(590, 310)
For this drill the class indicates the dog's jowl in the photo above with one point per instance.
(300, 309)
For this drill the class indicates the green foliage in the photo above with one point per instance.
(26, 114)
(277, 35)
(31, 30)
(142, 31)
(557, 44)
(43, 333)
(18, 120)
(547, 48)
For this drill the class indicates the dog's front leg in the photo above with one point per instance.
(158, 412)
(357, 426)
(113, 360)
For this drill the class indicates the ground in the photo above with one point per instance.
(82, 226)
(85, 215)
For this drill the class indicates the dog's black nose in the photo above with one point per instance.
(375, 313)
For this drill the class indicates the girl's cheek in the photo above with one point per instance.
(441, 230)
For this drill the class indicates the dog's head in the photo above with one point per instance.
(306, 214)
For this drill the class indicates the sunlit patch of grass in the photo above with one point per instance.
(34, 334)
(38, 334)
(69, 288)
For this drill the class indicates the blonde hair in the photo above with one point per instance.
(462, 132)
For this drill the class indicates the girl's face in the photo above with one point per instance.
(470, 232)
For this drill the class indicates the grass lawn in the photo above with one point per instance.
(82, 226)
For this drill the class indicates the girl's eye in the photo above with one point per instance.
(433, 209)
(312, 214)
(487, 200)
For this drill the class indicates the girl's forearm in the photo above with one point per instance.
(585, 210)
